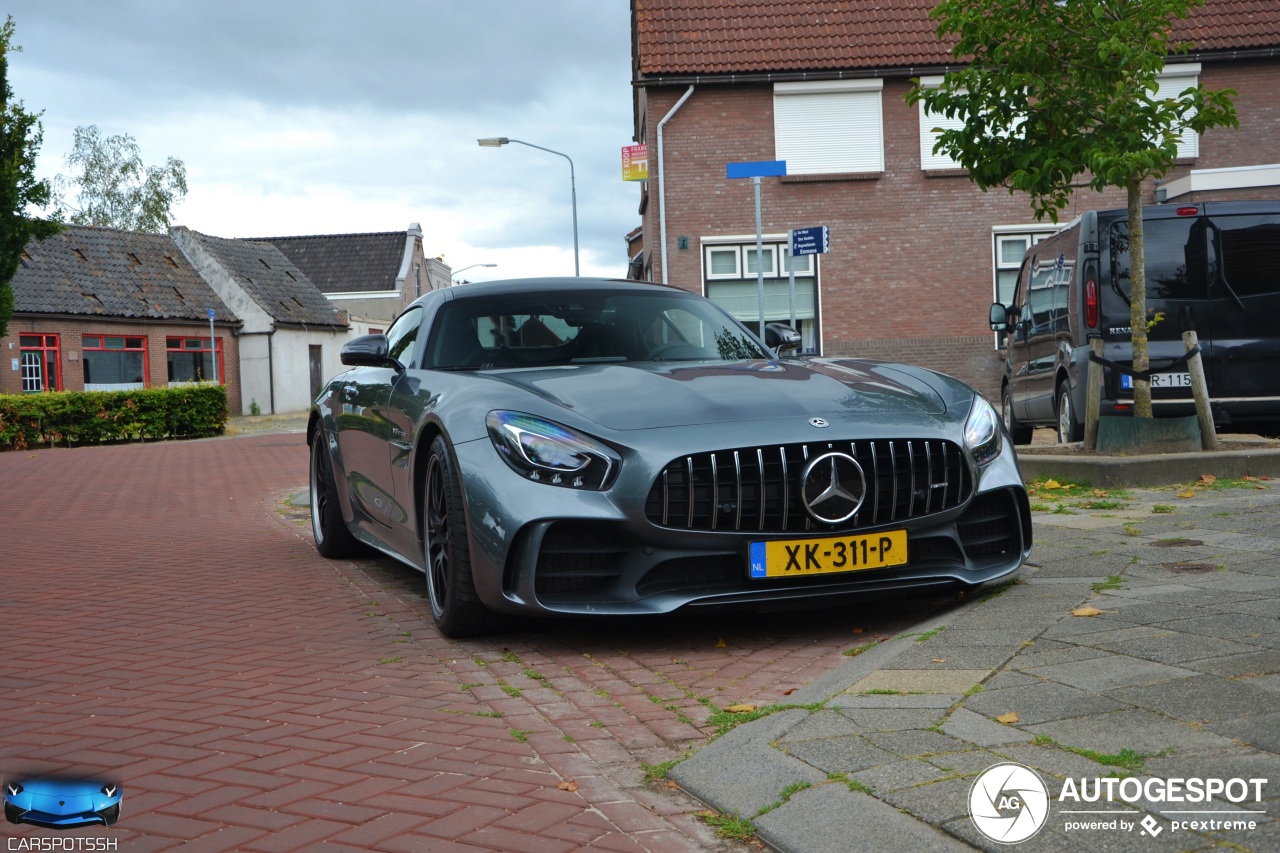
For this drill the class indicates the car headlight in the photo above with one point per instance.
(547, 452)
(982, 432)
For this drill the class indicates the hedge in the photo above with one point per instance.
(91, 417)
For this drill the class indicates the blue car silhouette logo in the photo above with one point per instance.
(62, 803)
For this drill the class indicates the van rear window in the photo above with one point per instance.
(1248, 248)
(1175, 257)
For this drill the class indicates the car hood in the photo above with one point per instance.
(649, 395)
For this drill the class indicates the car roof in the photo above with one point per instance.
(567, 283)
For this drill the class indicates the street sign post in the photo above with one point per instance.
(804, 241)
(756, 170)
(213, 346)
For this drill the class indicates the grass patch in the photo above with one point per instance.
(1164, 509)
(535, 675)
(881, 691)
(520, 735)
(785, 794)
(1127, 762)
(974, 690)
(1037, 506)
(728, 826)
(1048, 488)
(921, 636)
(510, 656)
(472, 685)
(495, 714)
(390, 660)
(857, 650)
(1113, 582)
(657, 772)
(1132, 529)
(999, 589)
(597, 724)
(512, 691)
(723, 721)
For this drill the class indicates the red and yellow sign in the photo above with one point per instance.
(635, 162)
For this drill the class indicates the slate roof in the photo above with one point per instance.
(684, 38)
(110, 273)
(347, 263)
(272, 281)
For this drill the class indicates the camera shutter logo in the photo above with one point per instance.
(1008, 803)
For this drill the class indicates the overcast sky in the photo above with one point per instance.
(337, 116)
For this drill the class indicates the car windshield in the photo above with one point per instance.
(554, 328)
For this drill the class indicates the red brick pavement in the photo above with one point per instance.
(167, 622)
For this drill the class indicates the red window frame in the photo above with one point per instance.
(182, 348)
(50, 359)
(99, 345)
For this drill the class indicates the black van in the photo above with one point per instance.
(1211, 267)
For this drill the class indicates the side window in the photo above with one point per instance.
(1246, 249)
(1020, 302)
(403, 334)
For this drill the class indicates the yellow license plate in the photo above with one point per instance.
(789, 558)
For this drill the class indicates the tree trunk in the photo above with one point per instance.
(1138, 301)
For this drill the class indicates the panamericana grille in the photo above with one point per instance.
(758, 488)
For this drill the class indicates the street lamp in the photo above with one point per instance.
(464, 269)
(499, 141)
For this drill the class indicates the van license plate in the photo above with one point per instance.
(1159, 380)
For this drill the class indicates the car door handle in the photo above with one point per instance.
(349, 391)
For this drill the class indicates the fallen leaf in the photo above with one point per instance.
(568, 785)
(741, 708)
(939, 660)
(1100, 493)
(720, 643)
(673, 784)
(1011, 717)
(788, 691)
(1249, 479)
(1260, 486)
(1086, 611)
(1189, 493)
(1052, 484)
(881, 636)
(858, 631)
(1208, 479)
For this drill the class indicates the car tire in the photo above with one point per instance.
(333, 539)
(111, 814)
(1018, 433)
(1069, 428)
(455, 606)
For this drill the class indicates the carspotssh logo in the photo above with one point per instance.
(1008, 803)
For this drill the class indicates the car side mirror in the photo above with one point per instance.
(369, 351)
(999, 318)
(781, 337)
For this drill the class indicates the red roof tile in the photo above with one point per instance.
(713, 37)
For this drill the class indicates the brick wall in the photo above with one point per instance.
(911, 252)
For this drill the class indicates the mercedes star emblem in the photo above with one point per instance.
(832, 487)
(818, 422)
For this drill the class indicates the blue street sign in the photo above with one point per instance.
(212, 314)
(810, 241)
(756, 169)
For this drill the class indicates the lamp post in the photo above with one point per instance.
(464, 269)
(499, 141)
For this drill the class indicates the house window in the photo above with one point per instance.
(929, 135)
(801, 265)
(114, 363)
(753, 266)
(829, 126)
(191, 360)
(722, 262)
(41, 366)
(736, 288)
(1172, 82)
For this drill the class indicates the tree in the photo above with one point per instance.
(20, 138)
(1056, 90)
(114, 189)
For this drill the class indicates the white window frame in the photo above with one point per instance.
(737, 261)
(1032, 234)
(770, 252)
(1171, 82)
(929, 137)
(829, 126)
(802, 264)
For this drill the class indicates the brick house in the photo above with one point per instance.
(370, 276)
(98, 309)
(917, 252)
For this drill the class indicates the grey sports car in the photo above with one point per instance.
(584, 446)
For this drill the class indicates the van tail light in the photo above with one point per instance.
(1091, 304)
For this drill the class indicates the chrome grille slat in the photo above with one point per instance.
(905, 479)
